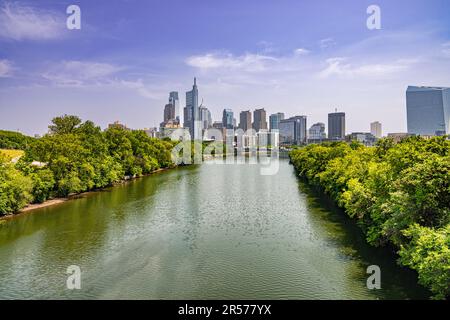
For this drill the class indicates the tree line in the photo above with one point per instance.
(398, 193)
(14, 140)
(75, 157)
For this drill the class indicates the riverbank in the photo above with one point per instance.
(397, 193)
(56, 201)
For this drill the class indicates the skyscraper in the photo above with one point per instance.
(205, 118)
(193, 110)
(245, 120)
(173, 100)
(336, 126)
(375, 129)
(169, 112)
(274, 120)
(317, 132)
(293, 130)
(259, 120)
(428, 110)
(227, 119)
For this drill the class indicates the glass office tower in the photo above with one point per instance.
(428, 110)
(227, 119)
(274, 120)
(192, 109)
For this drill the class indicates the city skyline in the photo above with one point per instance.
(303, 58)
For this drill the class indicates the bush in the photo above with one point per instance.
(428, 252)
(399, 194)
(15, 189)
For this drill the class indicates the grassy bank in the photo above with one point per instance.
(398, 193)
(11, 154)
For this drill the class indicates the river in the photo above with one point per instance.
(210, 231)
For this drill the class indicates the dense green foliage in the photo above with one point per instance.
(15, 187)
(399, 194)
(14, 140)
(76, 157)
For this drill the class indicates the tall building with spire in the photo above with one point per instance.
(195, 125)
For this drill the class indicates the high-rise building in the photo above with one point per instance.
(227, 119)
(366, 138)
(317, 132)
(193, 109)
(173, 100)
(293, 130)
(287, 129)
(205, 117)
(375, 129)
(259, 120)
(187, 116)
(245, 120)
(218, 125)
(274, 120)
(336, 126)
(428, 110)
(169, 112)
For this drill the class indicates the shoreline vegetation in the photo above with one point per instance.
(74, 158)
(55, 201)
(399, 194)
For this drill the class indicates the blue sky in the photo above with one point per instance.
(293, 56)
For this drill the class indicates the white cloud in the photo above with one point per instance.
(20, 22)
(6, 68)
(248, 62)
(144, 90)
(77, 73)
(339, 67)
(88, 74)
(301, 51)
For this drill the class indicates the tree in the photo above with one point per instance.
(14, 140)
(15, 189)
(398, 193)
(64, 124)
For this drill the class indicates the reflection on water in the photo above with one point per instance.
(209, 231)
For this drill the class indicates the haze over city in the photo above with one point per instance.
(296, 57)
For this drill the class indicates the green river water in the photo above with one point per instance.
(210, 231)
